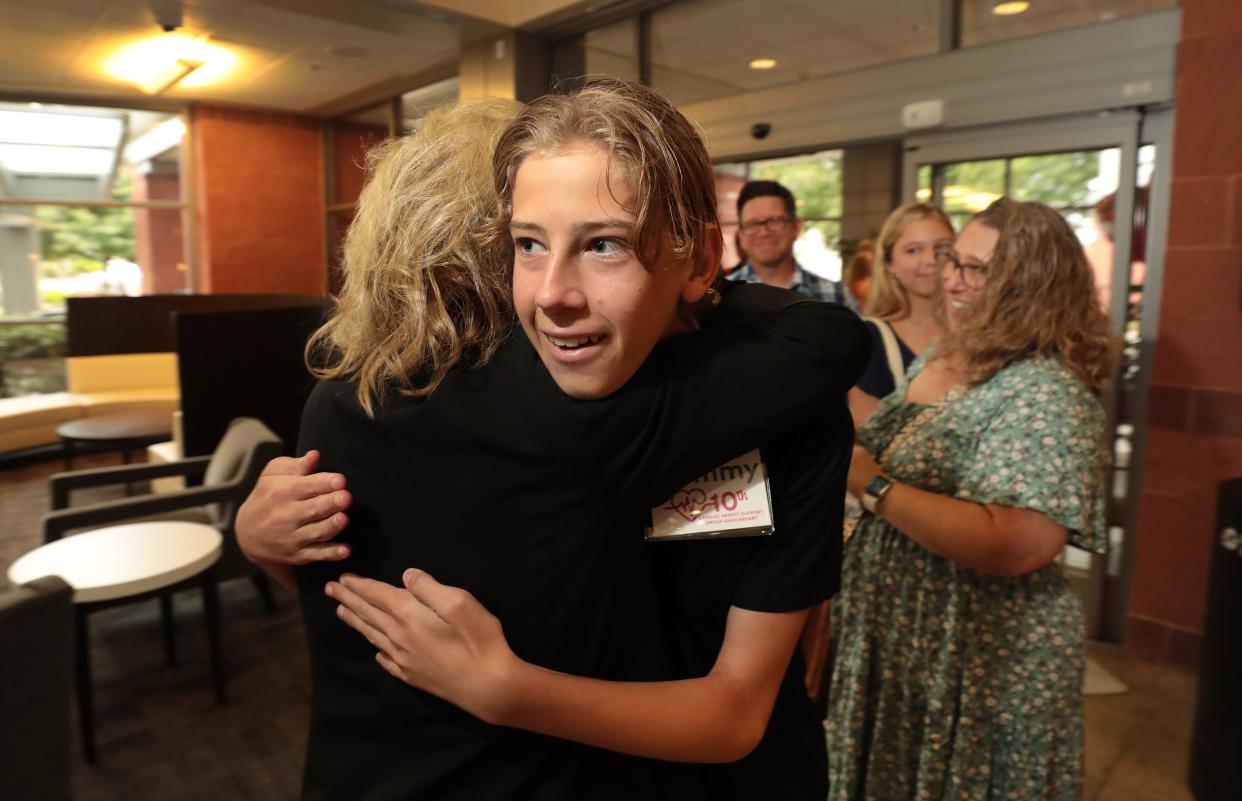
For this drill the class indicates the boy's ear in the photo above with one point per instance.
(706, 265)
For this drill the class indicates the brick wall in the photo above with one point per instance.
(259, 190)
(1195, 406)
(158, 235)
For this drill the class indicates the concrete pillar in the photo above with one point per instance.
(871, 188)
(508, 64)
(19, 264)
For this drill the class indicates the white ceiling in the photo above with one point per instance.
(308, 55)
(292, 54)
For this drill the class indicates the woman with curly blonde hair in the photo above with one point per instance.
(959, 644)
(901, 300)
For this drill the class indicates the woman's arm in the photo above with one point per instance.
(989, 538)
(442, 640)
(291, 516)
(862, 405)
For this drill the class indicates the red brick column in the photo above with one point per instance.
(158, 235)
(1195, 409)
(259, 190)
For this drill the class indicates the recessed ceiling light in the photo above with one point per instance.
(763, 64)
(1007, 8)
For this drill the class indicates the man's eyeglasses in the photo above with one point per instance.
(768, 224)
(972, 275)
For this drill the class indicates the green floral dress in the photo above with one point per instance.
(948, 683)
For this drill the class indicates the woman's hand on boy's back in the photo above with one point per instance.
(292, 515)
(434, 637)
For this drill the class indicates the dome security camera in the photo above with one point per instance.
(760, 130)
(167, 15)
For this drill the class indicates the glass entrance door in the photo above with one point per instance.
(1097, 172)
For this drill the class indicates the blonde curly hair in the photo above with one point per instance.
(1039, 300)
(886, 297)
(424, 286)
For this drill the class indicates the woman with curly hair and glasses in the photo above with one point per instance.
(959, 645)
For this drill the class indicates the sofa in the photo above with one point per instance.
(96, 385)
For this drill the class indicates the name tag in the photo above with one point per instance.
(731, 501)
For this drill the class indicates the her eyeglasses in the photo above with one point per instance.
(972, 275)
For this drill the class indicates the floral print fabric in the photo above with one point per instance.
(948, 683)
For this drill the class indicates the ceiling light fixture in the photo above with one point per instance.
(1007, 8)
(169, 76)
(763, 64)
(159, 63)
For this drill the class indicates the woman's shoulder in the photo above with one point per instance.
(1047, 383)
(1041, 370)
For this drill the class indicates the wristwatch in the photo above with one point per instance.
(876, 489)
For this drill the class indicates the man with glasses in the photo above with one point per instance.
(769, 225)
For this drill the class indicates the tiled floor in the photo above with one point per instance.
(1138, 743)
(161, 738)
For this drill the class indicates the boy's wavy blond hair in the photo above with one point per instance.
(651, 145)
(424, 286)
(886, 297)
(1039, 300)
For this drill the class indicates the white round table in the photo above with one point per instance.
(123, 561)
(120, 564)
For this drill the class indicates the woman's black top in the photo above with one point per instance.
(877, 378)
(499, 483)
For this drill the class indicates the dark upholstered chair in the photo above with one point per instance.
(36, 638)
(228, 476)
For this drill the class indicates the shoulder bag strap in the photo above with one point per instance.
(892, 351)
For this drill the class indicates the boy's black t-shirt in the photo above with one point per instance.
(795, 568)
(499, 483)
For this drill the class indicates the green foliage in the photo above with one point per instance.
(815, 182)
(1059, 179)
(96, 234)
(55, 299)
(69, 267)
(32, 341)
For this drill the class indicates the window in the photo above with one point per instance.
(90, 204)
(815, 179)
(1071, 182)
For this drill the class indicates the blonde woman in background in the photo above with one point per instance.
(901, 300)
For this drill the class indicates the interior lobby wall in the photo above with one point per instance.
(1195, 406)
(259, 201)
(158, 234)
(350, 143)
